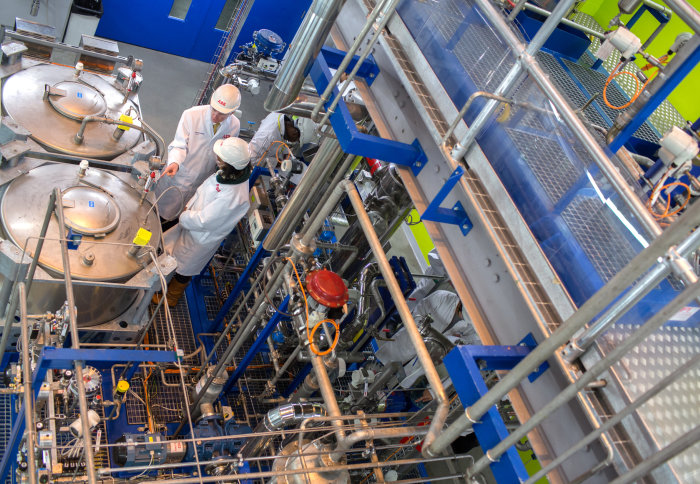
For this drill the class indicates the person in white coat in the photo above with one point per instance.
(189, 155)
(210, 215)
(276, 128)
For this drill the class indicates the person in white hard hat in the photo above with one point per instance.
(189, 155)
(278, 127)
(210, 215)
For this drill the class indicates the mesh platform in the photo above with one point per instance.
(548, 162)
(676, 410)
(604, 246)
(5, 425)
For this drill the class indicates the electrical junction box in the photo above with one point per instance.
(621, 39)
(259, 222)
(268, 64)
(258, 199)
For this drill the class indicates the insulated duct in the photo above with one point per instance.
(302, 53)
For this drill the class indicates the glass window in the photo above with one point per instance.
(227, 12)
(180, 8)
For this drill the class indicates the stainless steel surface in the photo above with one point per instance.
(75, 100)
(23, 100)
(686, 12)
(75, 343)
(324, 162)
(302, 52)
(22, 208)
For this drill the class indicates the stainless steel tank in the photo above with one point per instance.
(50, 101)
(99, 208)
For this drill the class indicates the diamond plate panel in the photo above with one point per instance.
(5, 425)
(482, 54)
(676, 410)
(447, 17)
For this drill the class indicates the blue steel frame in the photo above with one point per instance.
(350, 139)
(463, 365)
(63, 359)
(257, 345)
(455, 216)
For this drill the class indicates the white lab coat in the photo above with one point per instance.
(192, 151)
(271, 129)
(210, 216)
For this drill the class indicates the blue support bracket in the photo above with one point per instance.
(465, 364)
(63, 359)
(260, 340)
(455, 216)
(350, 139)
(369, 70)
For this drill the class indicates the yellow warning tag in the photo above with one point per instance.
(125, 119)
(143, 237)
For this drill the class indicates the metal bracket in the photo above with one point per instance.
(350, 139)
(464, 365)
(455, 216)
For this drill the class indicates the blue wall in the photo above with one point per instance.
(147, 24)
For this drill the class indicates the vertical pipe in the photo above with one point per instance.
(405, 313)
(40, 242)
(75, 342)
(302, 52)
(324, 162)
(27, 379)
(8, 320)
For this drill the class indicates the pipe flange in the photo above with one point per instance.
(298, 246)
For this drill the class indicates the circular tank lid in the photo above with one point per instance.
(89, 210)
(327, 288)
(80, 100)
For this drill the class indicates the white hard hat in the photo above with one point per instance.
(226, 99)
(233, 151)
(307, 131)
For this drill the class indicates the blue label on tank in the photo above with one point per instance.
(91, 203)
(79, 94)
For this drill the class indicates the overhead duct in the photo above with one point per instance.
(302, 52)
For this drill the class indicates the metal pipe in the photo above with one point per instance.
(286, 365)
(510, 80)
(47, 43)
(570, 118)
(322, 164)
(348, 58)
(565, 21)
(315, 223)
(618, 417)
(325, 387)
(579, 343)
(654, 323)
(466, 107)
(671, 450)
(391, 7)
(50, 208)
(27, 385)
(371, 434)
(279, 418)
(302, 53)
(160, 144)
(75, 342)
(516, 10)
(686, 12)
(395, 290)
(598, 302)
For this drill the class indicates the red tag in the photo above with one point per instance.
(217, 188)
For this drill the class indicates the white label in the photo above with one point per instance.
(684, 314)
(605, 50)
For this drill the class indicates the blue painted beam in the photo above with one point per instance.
(260, 340)
(369, 70)
(352, 141)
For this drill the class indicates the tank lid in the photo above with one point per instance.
(327, 288)
(89, 210)
(76, 100)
